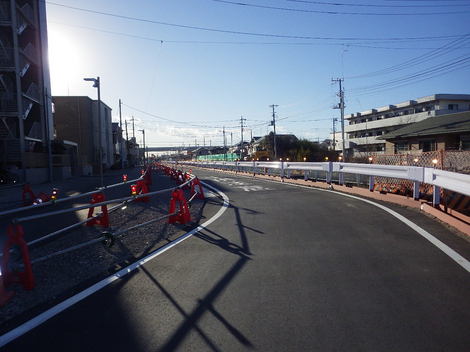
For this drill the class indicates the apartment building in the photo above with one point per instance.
(365, 128)
(25, 106)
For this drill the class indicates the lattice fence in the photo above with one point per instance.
(455, 161)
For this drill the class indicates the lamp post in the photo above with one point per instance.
(96, 84)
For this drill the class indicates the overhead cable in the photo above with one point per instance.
(325, 12)
(227, 31)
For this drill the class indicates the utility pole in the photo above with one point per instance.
(133, 127)
(341, 107)
(334, 133)
(225, 144)
(273, 123)
(127, 136)
(231, 139)
(143, 142)
(242, 120)
(120, 137)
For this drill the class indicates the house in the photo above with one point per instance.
(442, 132)
(263, 148)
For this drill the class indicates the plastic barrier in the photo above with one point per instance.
(200, 192)
(27, 191)
(178, 213)
(142, 188)
(183, 216)
(148, 177)
(102, 220)
(180, 177)
(186, 178)
(15, 235)
(41, 198)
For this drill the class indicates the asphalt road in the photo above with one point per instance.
(283, 269)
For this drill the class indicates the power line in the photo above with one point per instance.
(218, 30)
(372, 5)
(290, 9)
(170, 120)
(456, 64)
(412, 82)
(288, 43)
(443, 50)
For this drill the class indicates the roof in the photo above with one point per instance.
(441, 124)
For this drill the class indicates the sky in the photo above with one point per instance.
(185, 69)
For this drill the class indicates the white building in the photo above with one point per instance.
(336, 141)
(364, 127)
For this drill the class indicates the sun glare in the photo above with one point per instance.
(64, 62)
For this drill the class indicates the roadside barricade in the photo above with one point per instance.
(178, 213)
(103, 218)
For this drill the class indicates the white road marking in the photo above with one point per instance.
(238, 184)
(48, 314)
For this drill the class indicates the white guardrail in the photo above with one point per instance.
(452, 181)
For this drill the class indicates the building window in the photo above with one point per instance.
(427, 146)
(401, 147)
(453, 106)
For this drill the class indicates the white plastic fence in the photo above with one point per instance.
(453, 181)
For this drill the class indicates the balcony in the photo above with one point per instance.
(388, 122)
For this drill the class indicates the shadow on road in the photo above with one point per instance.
(206, 304)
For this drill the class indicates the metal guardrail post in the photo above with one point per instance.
(254, 168)
(371, 183)
(341, 178)
(282, 169)
(416, 186)
(305, 175)
(436, 196)
(329, 172)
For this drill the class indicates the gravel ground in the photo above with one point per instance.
(62, 276)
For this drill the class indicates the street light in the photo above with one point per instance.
(96, 84)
